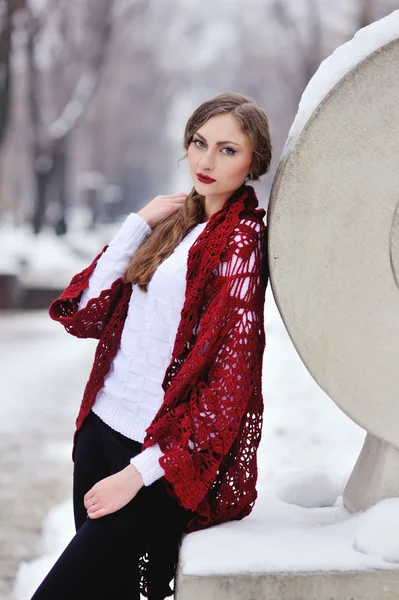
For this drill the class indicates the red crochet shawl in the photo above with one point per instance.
(209, 425)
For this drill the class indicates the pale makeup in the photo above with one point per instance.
(219, 149)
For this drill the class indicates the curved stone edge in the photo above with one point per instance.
(284, 164)
(291, 145)
(394, 246)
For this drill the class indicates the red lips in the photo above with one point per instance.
(204, 178)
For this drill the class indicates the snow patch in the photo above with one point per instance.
(378, 531)
(310, 488)
(58, 530)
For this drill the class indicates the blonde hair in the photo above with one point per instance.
(168, 233)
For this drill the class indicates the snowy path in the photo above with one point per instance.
(42, 372)
(307, 451)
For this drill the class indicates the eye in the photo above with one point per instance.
(194, 141)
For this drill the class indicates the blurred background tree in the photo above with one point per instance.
(8, 9)
(102, 90)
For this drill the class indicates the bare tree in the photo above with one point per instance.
(8, 8)
(61, 89)
(369, 11)
(164, 60)
(365, 14)
(130, 114)
(305, 38)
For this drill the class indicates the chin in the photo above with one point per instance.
(200, 188)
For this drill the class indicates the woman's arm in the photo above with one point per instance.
(85, 306)
(113, 263)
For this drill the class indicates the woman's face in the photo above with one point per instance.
(228, 162)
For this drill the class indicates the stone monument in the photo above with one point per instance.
(333, 222)
(334, 253)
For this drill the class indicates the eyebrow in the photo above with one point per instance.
(217, 143)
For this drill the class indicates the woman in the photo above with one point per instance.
(170, 422)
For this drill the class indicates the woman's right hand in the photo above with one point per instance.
(161, 207)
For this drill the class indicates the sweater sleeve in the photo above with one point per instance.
(87, 303)
(113, 263)
(147, 464)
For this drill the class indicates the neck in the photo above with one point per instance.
(213, 204)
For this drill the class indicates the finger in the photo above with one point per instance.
(90, 502)
(101, 512)
(92, 509)
(98, 503)
(177, 194)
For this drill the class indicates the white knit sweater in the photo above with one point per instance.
(132, 392)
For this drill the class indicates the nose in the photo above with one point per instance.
(207, 162)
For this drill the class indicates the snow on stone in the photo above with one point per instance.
(336, 66)
(279, 537)
(310, 488)
(377, 531)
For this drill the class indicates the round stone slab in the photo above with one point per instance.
(333, 222)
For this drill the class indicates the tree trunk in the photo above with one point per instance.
(5, 71)
(59, 184)
(365, 13)
(38, 218)
(6, 30)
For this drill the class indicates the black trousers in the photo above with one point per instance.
(101, 561)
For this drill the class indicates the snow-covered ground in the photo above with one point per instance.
(307, 452)
(47, 259)
(42, 374)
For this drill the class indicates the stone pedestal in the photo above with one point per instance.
(375, 476)
(367, 585)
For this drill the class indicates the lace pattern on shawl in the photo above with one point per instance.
(103, 317)
(216, 387)
(91, 321)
